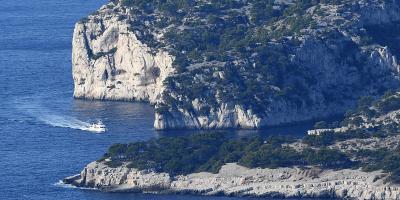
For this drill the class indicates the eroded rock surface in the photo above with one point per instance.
(109, 62)
(235, 180)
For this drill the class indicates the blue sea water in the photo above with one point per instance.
(41, 140)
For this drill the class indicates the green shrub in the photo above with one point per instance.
(321, 140)
(327, 158)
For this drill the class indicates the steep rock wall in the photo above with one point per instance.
(109, 62)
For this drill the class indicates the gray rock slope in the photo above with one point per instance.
(112, 60)
(234, 180)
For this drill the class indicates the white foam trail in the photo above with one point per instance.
(64, 121)
(54, 119)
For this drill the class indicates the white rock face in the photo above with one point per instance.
(99, 175)
(234, 180)
(226, 116)
(384, 59)
(109, 62)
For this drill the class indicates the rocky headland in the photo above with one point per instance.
(245, 66)
(248, 64)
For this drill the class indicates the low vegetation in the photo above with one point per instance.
(208, 152)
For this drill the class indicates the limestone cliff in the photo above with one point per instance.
(234, 180)
(287, 71)
(109, 62)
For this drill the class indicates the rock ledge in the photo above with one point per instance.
(235, 180)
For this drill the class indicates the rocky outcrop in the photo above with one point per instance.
(234, 180)
(121, 54)
(110, 62)
(99, 175)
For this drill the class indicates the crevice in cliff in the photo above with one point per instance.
(86, 42)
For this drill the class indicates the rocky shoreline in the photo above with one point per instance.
(235, 180)
(358, 160)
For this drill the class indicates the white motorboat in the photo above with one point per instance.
(97, 127)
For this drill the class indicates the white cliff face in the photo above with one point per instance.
(109, 62)
(225, 117)
(385, 60)
(234, 180)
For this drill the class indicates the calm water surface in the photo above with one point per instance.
(40, 123)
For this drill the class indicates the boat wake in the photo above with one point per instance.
(71, 122)
(56, 120)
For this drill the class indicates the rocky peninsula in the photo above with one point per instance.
(250, 64)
